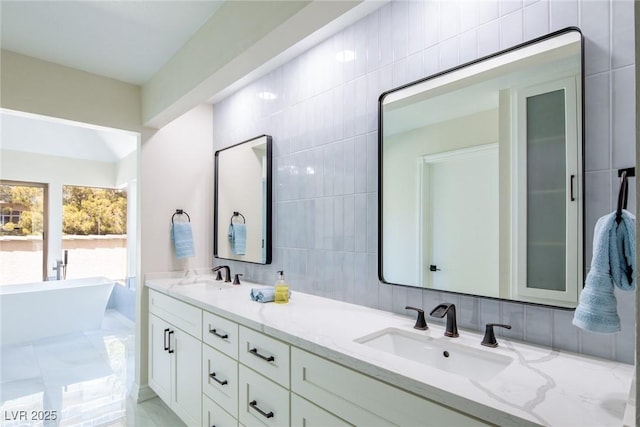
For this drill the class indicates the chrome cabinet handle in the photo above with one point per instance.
(254, 351)
(221, 382)
(254, 405)
(215, 332)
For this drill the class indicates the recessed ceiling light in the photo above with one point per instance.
(346, 56)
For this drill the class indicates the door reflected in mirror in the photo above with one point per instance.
(242, 201)
(481, 179)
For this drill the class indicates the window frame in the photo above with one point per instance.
(45, 217)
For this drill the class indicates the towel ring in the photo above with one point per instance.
(235, 214)
(180, 212)
(623, 194)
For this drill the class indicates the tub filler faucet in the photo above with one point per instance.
(61, 267)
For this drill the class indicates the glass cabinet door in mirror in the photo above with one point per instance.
(242, 201)
(481, 176)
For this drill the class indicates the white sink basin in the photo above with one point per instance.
(441, 353)
(203, 282)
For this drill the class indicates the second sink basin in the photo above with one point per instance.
(441, 353)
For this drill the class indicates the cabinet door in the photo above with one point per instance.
(159, 358)
(548, 201)
(187, 389)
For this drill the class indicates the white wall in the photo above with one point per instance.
(34, 86)
(177, 173)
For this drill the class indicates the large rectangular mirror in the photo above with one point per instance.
(242, 202)
(481, 176)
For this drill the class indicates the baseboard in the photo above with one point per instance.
(142, 393)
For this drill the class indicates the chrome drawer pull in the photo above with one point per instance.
(221, 382)
(254, 405)
(254, 351)
(214, 332)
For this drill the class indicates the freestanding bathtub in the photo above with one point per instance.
(32, 311)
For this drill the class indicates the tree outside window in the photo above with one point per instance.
(94, 228)
(97, 211)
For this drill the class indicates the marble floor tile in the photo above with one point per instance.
(18, 362)
(77, 380)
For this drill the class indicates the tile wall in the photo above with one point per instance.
(324, 121)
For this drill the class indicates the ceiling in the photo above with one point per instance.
(137, 37)
(54, 137)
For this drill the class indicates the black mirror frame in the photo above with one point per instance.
(268, 202)
(439, 74)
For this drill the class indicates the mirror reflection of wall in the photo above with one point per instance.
(481, 189)
(242, 229)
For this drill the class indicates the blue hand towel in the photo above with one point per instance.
(613, 264)
(238, 238)
(182, 238)
(262, 294)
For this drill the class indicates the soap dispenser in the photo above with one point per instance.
(281, 290)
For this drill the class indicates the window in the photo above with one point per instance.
(94, 232)
(22, 232)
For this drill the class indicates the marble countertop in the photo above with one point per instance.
(540, 387)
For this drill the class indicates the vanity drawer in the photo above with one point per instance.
(261, 401)
(305, 413)
(214, 415)
(222, 387)
(220, 333)
(362, 400)
(181, 315)
(264, 354)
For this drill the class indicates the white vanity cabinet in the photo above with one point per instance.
(362, 400)
(212, 371)
(175, 355)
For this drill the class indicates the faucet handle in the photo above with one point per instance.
(421, 323)
(218, 275)
(236, 278)
(489, 339)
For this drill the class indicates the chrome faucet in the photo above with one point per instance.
(227, 272)
(450, 311)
